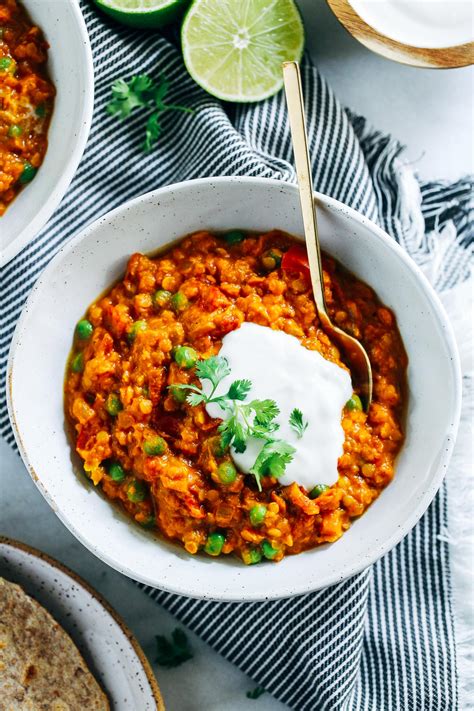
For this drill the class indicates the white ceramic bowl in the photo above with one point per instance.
(90, 262)
(71, 70)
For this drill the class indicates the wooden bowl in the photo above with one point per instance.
(436, 58)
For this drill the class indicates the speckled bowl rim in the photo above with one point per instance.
(287, 589)
(19, 545)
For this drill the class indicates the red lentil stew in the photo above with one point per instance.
(161, 458)
(26, 100)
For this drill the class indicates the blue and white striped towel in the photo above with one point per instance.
(383, 640)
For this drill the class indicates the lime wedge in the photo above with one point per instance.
(143, 13)
(234, 48)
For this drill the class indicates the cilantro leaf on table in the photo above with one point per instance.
(256, 693)
(297, 422)
(172, 653)
(141, 91)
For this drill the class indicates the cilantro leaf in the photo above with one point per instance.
(232, 433)
(152, 131)
(265, 411)
(272, 460)
(194, 399)
(141, 91)
(256, 693)
(226, 436)
(239, 389)
(129, 96)
(214, 369)
(172, 653)
(297, 422)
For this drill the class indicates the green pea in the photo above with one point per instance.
(161, 297)
(84, 329)
(116, 471)
(179, 394)
(214, 544)
(40, 110)
(271, 259)
(148, 522)
(234, 237)
(179, 302)
(257, 514)
(154, 446)
(226, 472)
(113, 404)
(251, 556)
(135, 328)
(77, 363)
(185, 357)
(268, 550)
(28, 173)
(136, 491)
(6, 63)
(14, 131)
(354, 403)
(318, 490)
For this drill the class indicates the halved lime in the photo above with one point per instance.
(234, 48)
(143, 13)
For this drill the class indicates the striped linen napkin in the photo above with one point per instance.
(384, 639)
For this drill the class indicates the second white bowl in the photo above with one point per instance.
(71, 70)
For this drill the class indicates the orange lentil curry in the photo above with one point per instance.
(160, 458)
(26, 100)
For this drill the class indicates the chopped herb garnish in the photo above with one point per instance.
(245, 419)
(272, 460)
(297, 422)
(139, 92)
(172, 653)
(256, 693)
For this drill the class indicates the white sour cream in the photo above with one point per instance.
(283, 370)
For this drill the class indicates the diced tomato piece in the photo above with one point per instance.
(296, 260)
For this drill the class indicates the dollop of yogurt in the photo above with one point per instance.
(281, 369)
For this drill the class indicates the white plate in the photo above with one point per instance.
(95, 258)
(71, 70)
(432, 24)
(109, 648)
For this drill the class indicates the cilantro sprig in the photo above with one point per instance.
(140, 92)
(256, 693)
(245, 420)
(172, 653)
(297, 422)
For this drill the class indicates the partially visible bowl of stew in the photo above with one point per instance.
(46, 91)
(145, 312)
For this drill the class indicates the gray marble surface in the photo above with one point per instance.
(431, 112)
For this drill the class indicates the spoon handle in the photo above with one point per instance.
(294, 100)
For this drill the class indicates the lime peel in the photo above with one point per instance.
(143, 13)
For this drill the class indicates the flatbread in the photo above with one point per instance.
(41, 669)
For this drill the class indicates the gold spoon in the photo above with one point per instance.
(352, 351)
